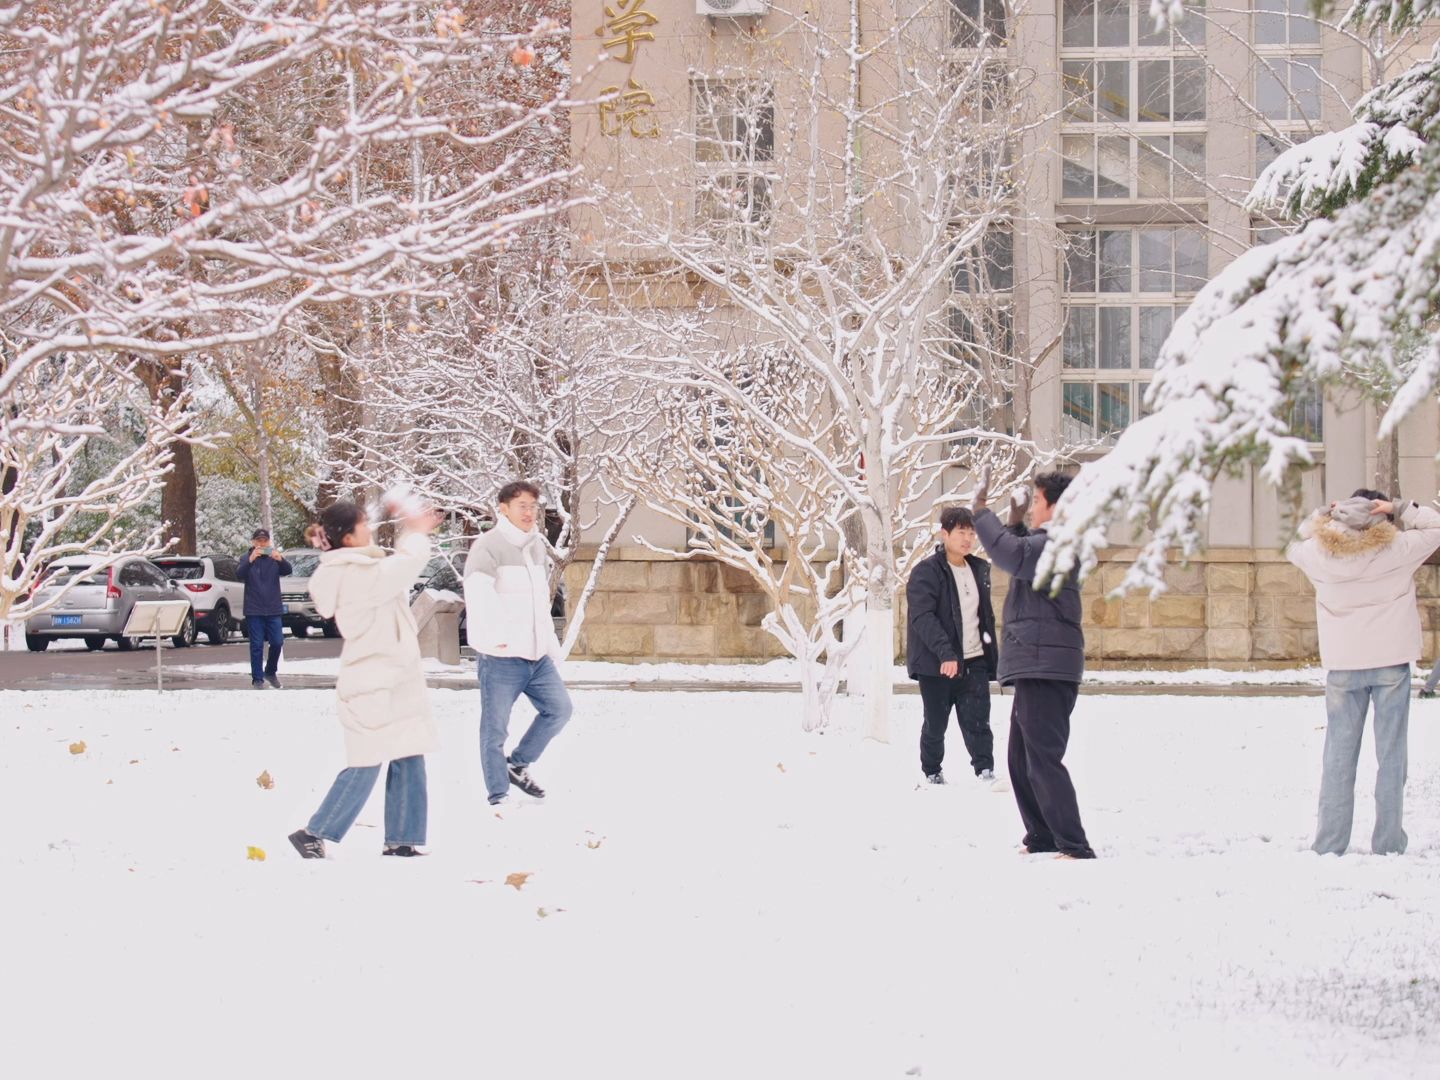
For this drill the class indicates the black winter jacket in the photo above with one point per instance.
(1042, 638)
(933, 633)
(262, 584)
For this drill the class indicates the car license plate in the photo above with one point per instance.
(285, 609)
(64, 620)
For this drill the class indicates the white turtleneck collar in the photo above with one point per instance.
(513, 533)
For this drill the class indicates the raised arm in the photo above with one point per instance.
(1006, 550)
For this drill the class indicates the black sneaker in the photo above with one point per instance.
(521, 778)
(273, 680)
(1427, 693)
(935, 778)
(405, 851)
(309, 847)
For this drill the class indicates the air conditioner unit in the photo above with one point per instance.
(731, 9)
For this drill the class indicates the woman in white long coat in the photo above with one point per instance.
(382, 701)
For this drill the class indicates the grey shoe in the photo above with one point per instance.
(273, 680)
(985, 774)
(935, 778)
(257, 684)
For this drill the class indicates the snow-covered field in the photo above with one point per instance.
(711, 894)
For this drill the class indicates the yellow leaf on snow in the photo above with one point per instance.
(265, 780)
(780, 766)
(517, 880)
(255, 854)
(77, 747)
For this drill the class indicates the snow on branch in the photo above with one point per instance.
(1393, 124)
(1349, 297)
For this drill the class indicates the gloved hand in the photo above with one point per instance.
(1019, 504)
(982, 491)
(1357, 512)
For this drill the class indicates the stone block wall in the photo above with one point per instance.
(1229, 607)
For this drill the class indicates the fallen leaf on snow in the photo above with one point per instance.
(542, 913)
(135, 761)
(77, 747)
(265, 780)
(780, 766)
(255, 854)
(593, 844)
(517, 880)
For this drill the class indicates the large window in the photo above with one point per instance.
(734, 151)
(1124, 289)
(974, 23)
(1286, 100)
(1135, 109)
(981, 331)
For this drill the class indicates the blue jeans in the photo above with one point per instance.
(1347, 697)
(1434, 677)
(406, 802)
(263, 628)
(502, 680)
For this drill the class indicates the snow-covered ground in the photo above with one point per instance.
(788, 671)
(711, 894)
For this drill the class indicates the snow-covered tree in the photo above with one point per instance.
(51, 503)
(714, 474)
(181, 179)
(844, 199)
(1349, 298)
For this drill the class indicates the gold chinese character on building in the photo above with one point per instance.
(627, 22)
(628, 111)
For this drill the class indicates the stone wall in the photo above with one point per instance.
(1229, 607)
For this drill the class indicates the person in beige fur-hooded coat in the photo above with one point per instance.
(1363, 569)
(381, 697)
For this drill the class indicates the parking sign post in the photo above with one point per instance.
(157, 619)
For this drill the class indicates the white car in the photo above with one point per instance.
(217, 595)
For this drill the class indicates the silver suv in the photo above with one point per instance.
(300, 614)
(216, 594)
(98, 602)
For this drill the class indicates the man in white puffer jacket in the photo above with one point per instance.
(1363, 570)
(507, 612)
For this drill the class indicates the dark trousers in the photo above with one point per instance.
(1039, 733)
(263, 628)
(969, 696)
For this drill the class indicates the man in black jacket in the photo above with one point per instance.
(260, 570)
(1042, 655)
(950, 645)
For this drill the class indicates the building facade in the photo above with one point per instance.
(1137, 151)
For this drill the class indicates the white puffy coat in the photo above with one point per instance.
(507, 594)
(1365, 606)
(383, 703)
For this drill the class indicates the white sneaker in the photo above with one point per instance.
(988, 775)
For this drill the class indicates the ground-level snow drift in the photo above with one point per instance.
(712, 893)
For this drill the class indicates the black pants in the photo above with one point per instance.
(1039, 733)
(969, 696)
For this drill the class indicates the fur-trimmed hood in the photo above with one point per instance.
(1342, 542)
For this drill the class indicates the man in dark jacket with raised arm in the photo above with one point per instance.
(1042, 655)
(950, 645)
(260, 570)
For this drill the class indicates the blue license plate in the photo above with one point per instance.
(64, 620)
(285, 609)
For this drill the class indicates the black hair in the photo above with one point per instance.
(339, 521)
(956, 517)
(1052, 485)
(517, 487)
(1373, 496)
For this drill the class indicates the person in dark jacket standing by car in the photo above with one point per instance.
(261, 569)
(1042, 655)
(950, 645)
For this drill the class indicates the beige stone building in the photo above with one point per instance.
(1144, 146)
